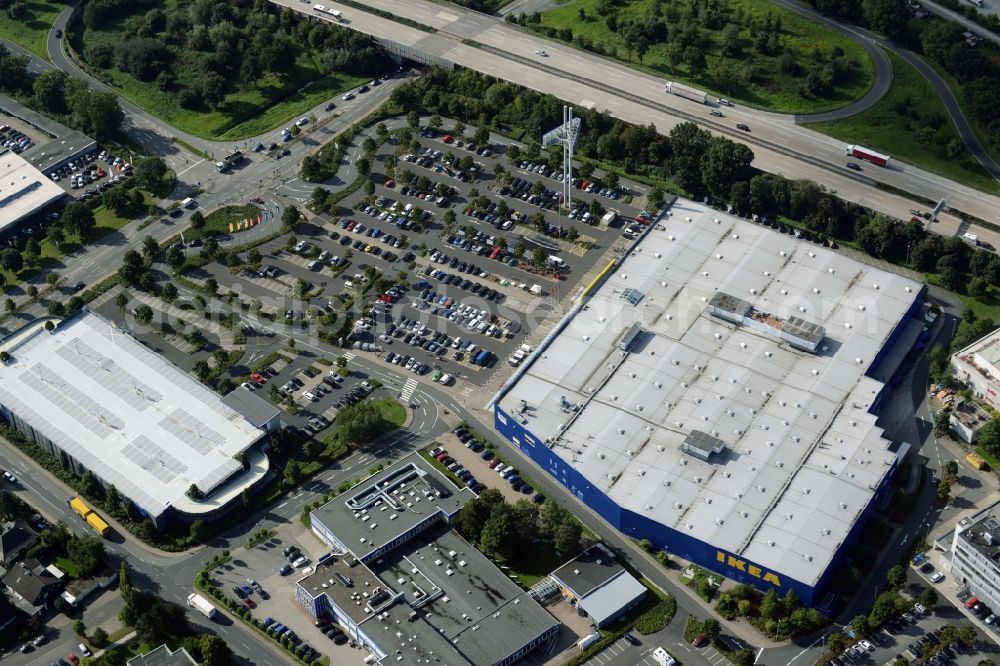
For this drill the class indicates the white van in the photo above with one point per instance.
(588, 640)
(556, 261)
(314, 265)
(972, 239)
(188, 203)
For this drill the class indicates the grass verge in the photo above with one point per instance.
(32, 30)
(770, 86)
(911, 123)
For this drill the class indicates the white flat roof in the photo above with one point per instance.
(982, 355)
(803, 455)
(23, 189)
(124, 412)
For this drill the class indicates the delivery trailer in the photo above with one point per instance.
(687, 93)
(868, 155)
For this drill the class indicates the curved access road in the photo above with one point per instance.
(873, 42)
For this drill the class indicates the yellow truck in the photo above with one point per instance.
(95, 521)
(975, 460)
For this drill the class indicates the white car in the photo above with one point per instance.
(446, 379)
(309, 395)
(301, 121)
(937, 577)
(300, 561)
(540, 52)
(10, 477)
(867, 646)
(348, 96)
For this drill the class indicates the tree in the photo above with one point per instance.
(169, 292)
(77, 218)
(158, 619)
(889, 17)
(79, 628)
(194, 492)
(150, 248)
(498, 533)
(769, 605)
(711, 628)
(56, 309)
(11, 260)
(212, 286)
(197, 220)
(199, 532)
(567, 536)
(928, 597)
(989, 436)
(538, 256)
(150, 174)
(859, 625)
(290, 217)
(214, 651)
(293, 472)
(86, 552)
(836, 642)
(175, 257)
(476, 512)
(688, 144)
(49, 91)
(413, 120)
(99, 638)
(724, 163)
(896, 577)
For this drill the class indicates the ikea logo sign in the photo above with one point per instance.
(744, 567)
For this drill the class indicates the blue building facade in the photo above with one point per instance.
(703, 554)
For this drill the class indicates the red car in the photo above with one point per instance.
(390, 183)
(249, 603)
(257, 377)
(699, 641)
(351, 224)
(73, 659)
(256, 200)
(447, 138)
(441, 456)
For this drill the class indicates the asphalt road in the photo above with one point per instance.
(487, 45)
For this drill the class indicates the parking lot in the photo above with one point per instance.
(450, 300)
(89, 175)
(272, 594)
(480, 465)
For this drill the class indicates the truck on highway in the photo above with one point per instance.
(867, 155)
(200, 604)
(229, 161)
(95, 521)
(687, 93)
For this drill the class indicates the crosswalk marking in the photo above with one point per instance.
(408, 388)
(349, 356)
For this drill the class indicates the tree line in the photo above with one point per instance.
(732, 47)
(702, 165)
(201, 50)
(63, 97)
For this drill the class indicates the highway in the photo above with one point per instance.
(490, 46)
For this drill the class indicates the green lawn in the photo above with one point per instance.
(894, 124)
(392, 411)
(66, 565)
(217, 222)
(811, 43)
(32, 30)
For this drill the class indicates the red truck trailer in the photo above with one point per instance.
(863, 153)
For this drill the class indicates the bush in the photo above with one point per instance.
(657, 617)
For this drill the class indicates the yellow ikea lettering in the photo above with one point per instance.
(752, 569)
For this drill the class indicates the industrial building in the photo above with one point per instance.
(978, 365)
(975, 556)
(94, 397)
(599, 586)
(736, 426)
(403, 584)
(24, 191)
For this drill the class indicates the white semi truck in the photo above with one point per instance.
(687, 93)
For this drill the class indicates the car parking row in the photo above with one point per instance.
(490, 463)
(13, 140)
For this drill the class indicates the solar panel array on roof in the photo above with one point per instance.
(126, 386)
(632, 296)
(806, 330)
(198, 436)
(79, 387)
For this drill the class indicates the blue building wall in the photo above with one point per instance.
(662, 536)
